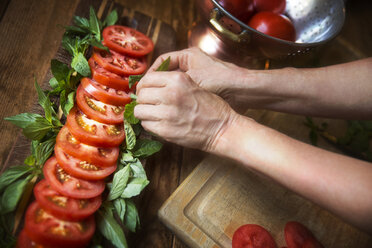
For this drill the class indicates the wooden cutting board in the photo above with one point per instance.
(219, 196)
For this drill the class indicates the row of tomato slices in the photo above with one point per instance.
(86, 149)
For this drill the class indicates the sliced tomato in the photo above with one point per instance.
(97, 110)
(104, 93)
(46, 229)
(298, 236)
(68, 185)
(63, 207)
(105, 77)
(119, 63)
(24, 241)
(127, 40)
(105, 156)
(80, 168)
(253, 236)
(94, 133)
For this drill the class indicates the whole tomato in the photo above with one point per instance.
(241, 9)
(276, 6)
(274, 25)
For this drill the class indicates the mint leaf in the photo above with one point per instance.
(68, 44)
(53, 83)
(80, 64)
(130, 136)
(44, 150)
(110, 229)
(134, 187)
(59, 70)
(120, 207)
(94, 24)
(30, 160)
(129, 113)
(69, 104)
(12, 174)
(111, 18)
(131, 220)
(24, 119)
(38, 129)
(44, 102)
(119, 183)
(12, 195)
(164, 65)
(81, 22)
(134, 79)
(145, 148)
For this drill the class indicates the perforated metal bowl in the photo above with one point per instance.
(316, 22)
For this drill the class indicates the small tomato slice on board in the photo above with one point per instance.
(105, 77)
(94, 133)
(119, 63)
(68, 185)
(46, 229)
(253, 236)
(127, 40)
(92, 154)
(97, 110)
(63, 207)
(104, 93)
(298, 236)
(80, 168)
(24, 241)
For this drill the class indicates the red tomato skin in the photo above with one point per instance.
(118, 63)
(276, 6)
(298, 236)
(91, 154)
(241, 9)
(253, 236)
(71, 212)
(38, 231)
(100, 138)
(127, 34)
(108, 78)
(87, 189)
(275, 25)
(73, 166)
(104, 93)
(24, 241)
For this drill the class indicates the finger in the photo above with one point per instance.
(155, 80)
(178, 60)
(150, 96)
(149, 112)
(152, 127)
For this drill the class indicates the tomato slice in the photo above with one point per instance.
(65, 208)
(104, 93)
(105, 77)
(24, 241)
(68, 185)
(97, 110)
(298, 236)
(46, 229)
(103, 156)
(253, 236)
(80, 168)
(94, 133)
(119, 63)
(127, 40)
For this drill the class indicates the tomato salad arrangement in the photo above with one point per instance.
(90, 147)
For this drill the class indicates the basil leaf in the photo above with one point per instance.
(94, 42)
(59, 70)
(38, 129)
(24, 119)
(53, 83)
(129, 113)
(69, 44)
(12, 174)
(30, 160)
(81, 22)
(80, 64)
(145, 148)
(44, 102)
(131, 220)
(130, 136)
(69, 104)
(127, 158)
(44, 150)
(134, 187)
(137, 128)
(164, 65)
(118, 183)
(134, 79)
(111, 18)
(137, 169)
(110, 229)
(12, 195)
(94, 24)
(120, 207)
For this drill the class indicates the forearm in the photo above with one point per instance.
(341, 91)
(338, 183)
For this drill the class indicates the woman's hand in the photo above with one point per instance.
(173, 106)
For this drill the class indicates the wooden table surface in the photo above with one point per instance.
(29, 38)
